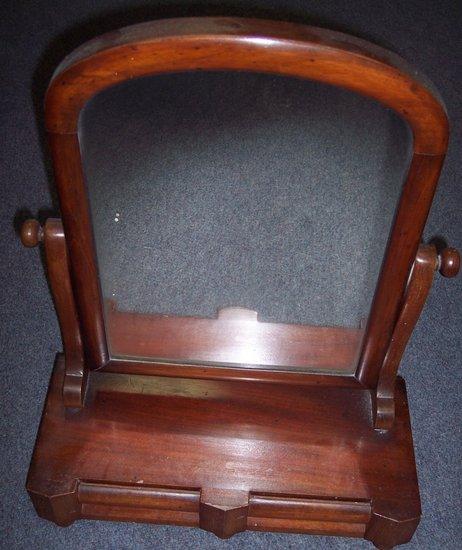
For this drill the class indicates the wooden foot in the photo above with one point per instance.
(393, 522)
(386, 533)
(223, 512)
(56, 503)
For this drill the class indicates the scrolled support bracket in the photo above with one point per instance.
(427, 261)
(57, 265)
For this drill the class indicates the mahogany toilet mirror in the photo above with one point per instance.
(232, 422)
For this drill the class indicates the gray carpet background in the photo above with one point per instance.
(35, 36)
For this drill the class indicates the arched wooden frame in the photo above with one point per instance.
(233, 44)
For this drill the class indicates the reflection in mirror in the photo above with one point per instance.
(218, 195)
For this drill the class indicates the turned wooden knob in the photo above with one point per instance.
(31, 233)
(449, 262)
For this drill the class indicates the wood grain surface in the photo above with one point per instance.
(294, 459)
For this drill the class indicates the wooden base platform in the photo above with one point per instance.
(226, 456)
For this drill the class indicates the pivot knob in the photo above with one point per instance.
(31, 233)
(449, 262)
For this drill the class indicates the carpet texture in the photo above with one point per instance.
(242, 162)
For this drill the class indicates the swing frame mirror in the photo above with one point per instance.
(354, 480)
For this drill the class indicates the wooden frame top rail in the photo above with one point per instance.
(250, 45)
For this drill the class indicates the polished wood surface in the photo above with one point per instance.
(449, 262)
(260, 46)
(226, 455)
(57, 266)
(420, 282)
(412, 212)
(75, 210)
(236, 337)
(219, 372)
(31, 233)
(222, 43)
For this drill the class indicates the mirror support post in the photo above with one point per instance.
(427, 261)
(57, 265)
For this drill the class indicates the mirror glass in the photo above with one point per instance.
(239, 218)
